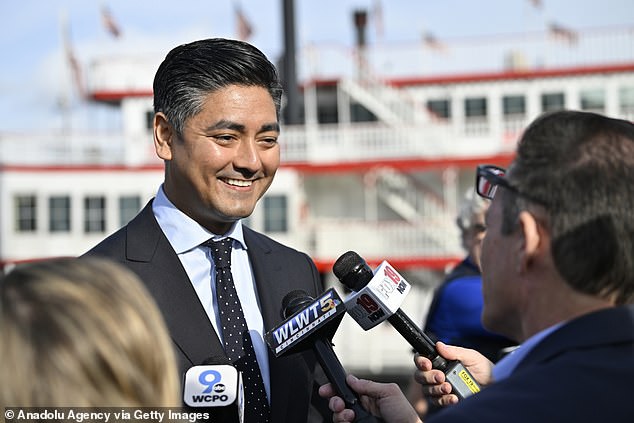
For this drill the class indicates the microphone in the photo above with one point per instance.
(216, 384)
(313, 322)
(378, 296)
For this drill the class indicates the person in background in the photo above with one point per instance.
(216, 128)
(558, 277)
(83, 333)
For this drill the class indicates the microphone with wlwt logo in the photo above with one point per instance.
(312, 323)
(377, 297)
(216, 384)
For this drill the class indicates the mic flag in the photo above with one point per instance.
(312, 323)
(380, 294)
(215, 385)
(380, 298)
(305, 318)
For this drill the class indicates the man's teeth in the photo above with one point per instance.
(238, 182)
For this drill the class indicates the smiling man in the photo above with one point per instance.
(216, 127)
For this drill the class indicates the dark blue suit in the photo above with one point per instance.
(582, 372)
(142, 247)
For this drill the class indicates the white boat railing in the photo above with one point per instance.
(332, 143)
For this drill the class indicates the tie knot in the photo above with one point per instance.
(221, 252)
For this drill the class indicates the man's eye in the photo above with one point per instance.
(479, 227)
(223, 138)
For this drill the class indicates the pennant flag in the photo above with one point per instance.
(71, 59)
(561, 33)
(432, 42)
(109, 23)
(75, 69)
(243, 25)
(377, 14)
(537, 4)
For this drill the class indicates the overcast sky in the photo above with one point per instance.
(33, 75)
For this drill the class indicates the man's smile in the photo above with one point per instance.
(237, 182)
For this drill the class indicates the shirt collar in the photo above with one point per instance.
(508, 363)
(184, 233)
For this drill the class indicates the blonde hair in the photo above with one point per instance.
(83, 333)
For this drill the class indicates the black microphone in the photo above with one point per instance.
(377, 297)
(313, 322)
(217, 384)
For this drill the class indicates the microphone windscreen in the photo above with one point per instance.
(294, 301)
(216, 359)
(346, 263)
(352, 271)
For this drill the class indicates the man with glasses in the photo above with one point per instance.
(454, 314)
(455, 310)
(558, 277)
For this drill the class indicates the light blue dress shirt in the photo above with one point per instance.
(508, 363)
(186, 236)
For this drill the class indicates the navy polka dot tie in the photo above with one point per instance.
(238, 344)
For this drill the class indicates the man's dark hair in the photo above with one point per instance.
(190, 72)
(581, 167)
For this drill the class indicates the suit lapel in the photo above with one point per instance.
(272, 286)
(148, 251)
(268, 274)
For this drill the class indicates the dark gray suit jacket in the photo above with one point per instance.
(581, 372)
(142, 247)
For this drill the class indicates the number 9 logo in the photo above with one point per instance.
(204, 379)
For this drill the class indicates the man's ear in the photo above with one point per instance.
(532, 241)
(164, 136)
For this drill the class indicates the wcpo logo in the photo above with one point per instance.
(211, 386)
